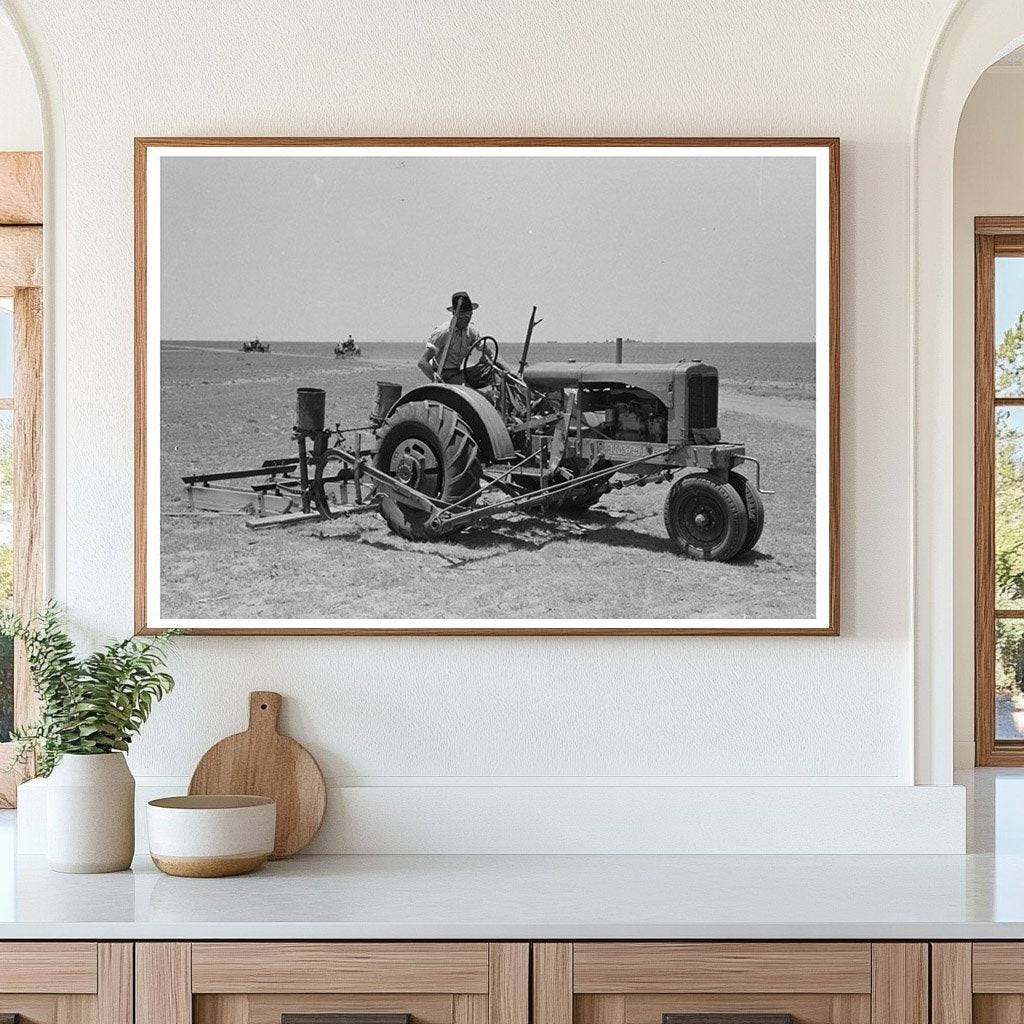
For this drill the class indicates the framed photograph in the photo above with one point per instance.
(487, 386)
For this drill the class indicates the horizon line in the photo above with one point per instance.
(553, 341)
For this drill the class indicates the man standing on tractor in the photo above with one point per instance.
(449, 344)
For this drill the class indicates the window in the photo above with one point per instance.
(21, 357)
(999, 491)
(21, 374)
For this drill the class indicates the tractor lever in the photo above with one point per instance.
(529, 335)
(757, 475)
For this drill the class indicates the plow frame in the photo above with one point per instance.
(662, 461)
(296, 478)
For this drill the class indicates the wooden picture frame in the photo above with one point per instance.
(826, 621)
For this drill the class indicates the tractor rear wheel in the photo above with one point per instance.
(705, 518)
(755, 510)
(430, 448)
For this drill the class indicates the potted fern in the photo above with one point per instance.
(89, 710)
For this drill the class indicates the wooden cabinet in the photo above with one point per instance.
(494, 983)
(66, 982)
(261, 982)
(647, 982)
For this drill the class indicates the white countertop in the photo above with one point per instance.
(978, 896)
(532, 897)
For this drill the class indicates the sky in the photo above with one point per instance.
(684, 248)
(1009, 293)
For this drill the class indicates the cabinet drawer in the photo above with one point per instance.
(340, 967)
(66, 982)
(48, 967)
(998, 967)
(263, 982)
(736, 982)
(271, 1009)
(630, 967)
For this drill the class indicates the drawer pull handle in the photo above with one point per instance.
(341, 1018)
(728, 1018)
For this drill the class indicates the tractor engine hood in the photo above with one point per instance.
(657, 378)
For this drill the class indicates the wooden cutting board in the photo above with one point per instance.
(262, 762)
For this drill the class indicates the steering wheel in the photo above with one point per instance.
(482, 371)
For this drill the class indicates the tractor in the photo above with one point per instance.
(553, 437)
(348, 347)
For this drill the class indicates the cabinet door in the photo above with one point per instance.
(66, 983)
(981, 982)
(332, 983)
(736, 982)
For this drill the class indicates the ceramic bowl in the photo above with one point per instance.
(211, 836)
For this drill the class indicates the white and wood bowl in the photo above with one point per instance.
(211, 836)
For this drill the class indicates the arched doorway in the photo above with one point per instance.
(976, 33)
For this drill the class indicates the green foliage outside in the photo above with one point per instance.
(6, 462)
(90, 705)
(1009, 510)
(6, 574)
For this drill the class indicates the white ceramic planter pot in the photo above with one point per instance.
(90, 814)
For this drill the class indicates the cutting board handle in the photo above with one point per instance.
(264, 710)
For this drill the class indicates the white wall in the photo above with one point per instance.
(988, 181)
(21, 125)
(444, 713)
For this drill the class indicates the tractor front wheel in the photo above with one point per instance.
(706, 518)
(755, 510)
(430, 448)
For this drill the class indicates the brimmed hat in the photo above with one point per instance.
(463, 299)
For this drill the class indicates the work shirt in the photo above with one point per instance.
(462, 342)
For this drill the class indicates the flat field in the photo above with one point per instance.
(222, 409)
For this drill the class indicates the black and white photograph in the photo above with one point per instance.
(461, 386)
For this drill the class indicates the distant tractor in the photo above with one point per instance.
(345, 348)
(552, 438)
(255, 346)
